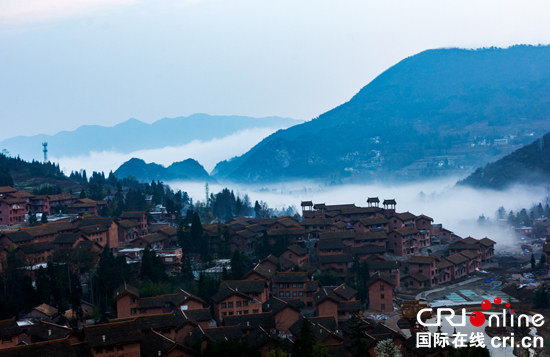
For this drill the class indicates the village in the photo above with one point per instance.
(338, 269)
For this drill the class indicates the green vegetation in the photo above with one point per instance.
(424, 109)
(528, 165)
(184, 170)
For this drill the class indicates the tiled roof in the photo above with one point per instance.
(199, 315)
(47, 309)
(470, 254)
(336, 235)
(275, 305)
(487, 242)
(9, 328)
(418, 259)
(46, 331)
(118, 333)
(442, 264)
(374, 221)
(251, 321)
(458, 246)
(153, 238)
(291, 277)
(346, 292)
(312, 286)
(324, 294)
(256, 228)
(383, 265)
(240, 287)
(125, 288)
(378, 276)
(98, 228)
(376, 235)
(308, 268)
(257, 337)
(468, 240)
(57, 348)
(371, 249)
(66, 238)
(331, 259)
(245, 233)
(261, 270)
(457, 258)
(49, 229)
(405, 231)
(36, 248)
(169, 231)
(349, 306)
(297, 249)
(422, 216)
(405, 216)
(330, 244)
(7, 189)
(126, 223)
(19, 236)
(285, 232)
(340, 224)
(155, 322)
(419, 277)
(219, 333)
(130, 215)
(316, 222)
(156, 345)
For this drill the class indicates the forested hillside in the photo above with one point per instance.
(438, 112)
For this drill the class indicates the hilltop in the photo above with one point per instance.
(436, 113)
(189, 170)
(528, 165)
(133, 135)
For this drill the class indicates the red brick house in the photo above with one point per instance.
(12, 211)
(339, 264)
(378, 238)
(444, 271)
(369, 224)
(138, 217)
(330, 247)
(416, 281)
(37, 253)
(387, 268)
(60, 202)
(424, 265)
(460, 265)
(9, 333)
(290, 285)
(83, 206)
(380, 292)
(260, 272)
(128, 230)
(404, 241)
(114, 339)
(110, 224)
(6, 190)
(239, 297)
(285, 312)
(40, 204)
(296, 254)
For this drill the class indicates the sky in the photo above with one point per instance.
(65, 63)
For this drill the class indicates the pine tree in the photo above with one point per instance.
(358, 346)
(533, 261)
(44, 218)
(542, 260)
(303, 346)
(32, 219)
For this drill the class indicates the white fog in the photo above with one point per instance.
(457, 208)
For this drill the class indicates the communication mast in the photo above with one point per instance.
(45, 150)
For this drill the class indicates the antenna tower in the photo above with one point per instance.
(45, 150)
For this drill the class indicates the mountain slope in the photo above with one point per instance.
(188, 169)
(422, 117)
(133, 135)
(528, 165)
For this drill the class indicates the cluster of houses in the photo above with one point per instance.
(268, 304)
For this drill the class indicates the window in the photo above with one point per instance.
(239, 312)
(133, 300)
(381, 296)
(120, 348)
(238, 304)
(224, 314)
(6, 339)
(309, 304)
(287, 285)
(142, 311)
(301, 293)
(287, 293)
(383, 306)
(294, 293)
(133, 311)
(223, 305)
(245, 303)
(109, 349)
(230, 313)
(281, 293)
(255, 311)
(300, 285)
(381, 287)
(293, 285)
(230, 304)
(309, 294)
(246, 312)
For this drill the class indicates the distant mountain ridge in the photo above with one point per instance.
(528, 165)
(133, 135)
(189, 170)
(420, 118)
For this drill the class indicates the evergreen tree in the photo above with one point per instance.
(42, 287)
(358, 345)
(44, 218)
(387, 348)
(542, 260)
(152, 267)
(303, 346)
(533, 261)
(32, 219)
(5, 178)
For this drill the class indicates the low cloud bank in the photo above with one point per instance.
(207, 153)
(457, 208)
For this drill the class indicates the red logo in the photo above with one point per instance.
(477, 318)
